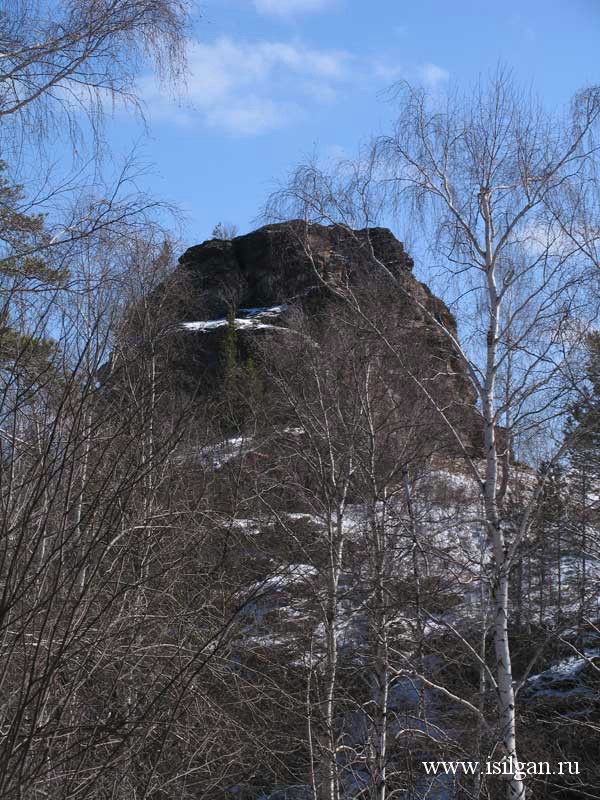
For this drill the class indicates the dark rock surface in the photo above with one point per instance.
(302, 266)
(289, 262)
(279, 263)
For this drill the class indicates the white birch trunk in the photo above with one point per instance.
(504, 679)
(329, 781)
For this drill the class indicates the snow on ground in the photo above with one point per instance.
(289, 574)
(565, 679)
(568, 667)
(261, 313)
(250, 319)
(226, 451)
(218, 454)
(207, 326)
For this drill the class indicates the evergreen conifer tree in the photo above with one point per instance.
(583, 427)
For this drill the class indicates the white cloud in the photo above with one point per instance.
(432, 75)
(289, 8)
(545, 239)
(388, 72)
(251, 115)
(251, 87)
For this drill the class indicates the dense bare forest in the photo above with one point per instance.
(278, 522)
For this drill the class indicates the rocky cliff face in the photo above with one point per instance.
(278, 262)
(290, 262)
(266, 274)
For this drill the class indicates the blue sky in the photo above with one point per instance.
(272, 81)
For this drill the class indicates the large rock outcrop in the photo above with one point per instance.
(290, 261)
(277, 263)
(294, 266)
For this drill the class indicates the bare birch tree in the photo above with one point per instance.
(484, 175)
(64, 62)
